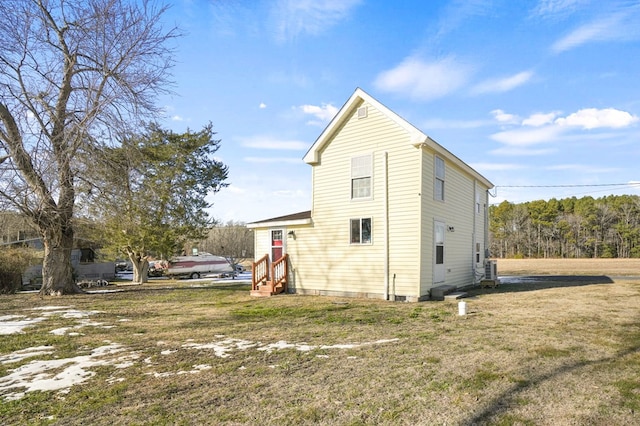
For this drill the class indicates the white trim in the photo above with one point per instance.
(280, 223)
(417, 137)
(357, 98)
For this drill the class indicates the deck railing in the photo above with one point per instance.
(260, 271)
(280, 272)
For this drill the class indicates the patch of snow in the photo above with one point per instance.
(73, 313)
(25, 353)
(202, 367)
(14, 326)
(196, 369)
(222, 348)
(160, 375)
(10, 317)
(50, 308)
(36, 376)
(303, 347)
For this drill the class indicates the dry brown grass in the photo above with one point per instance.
(612, 267)
(552, 352)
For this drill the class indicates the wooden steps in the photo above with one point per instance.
(269, 280)
(267, 289)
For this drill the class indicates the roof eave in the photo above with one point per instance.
(276, 223)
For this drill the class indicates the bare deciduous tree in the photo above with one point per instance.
(70, 72)
(233, 241)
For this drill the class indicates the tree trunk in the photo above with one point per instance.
(57, 272)
(140, 267)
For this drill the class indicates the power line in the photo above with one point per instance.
(594, 185)
(569, 185)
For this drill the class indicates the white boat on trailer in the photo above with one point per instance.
(198, 265)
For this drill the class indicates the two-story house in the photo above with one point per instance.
(394, 214)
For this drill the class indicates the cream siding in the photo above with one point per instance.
(402, 209)
(360, 268)
(463, 225)
(427, 217)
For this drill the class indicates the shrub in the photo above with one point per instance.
(13, 262)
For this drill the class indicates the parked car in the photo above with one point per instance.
(157, 268)
(123, 265)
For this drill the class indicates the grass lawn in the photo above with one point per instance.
(554, 352)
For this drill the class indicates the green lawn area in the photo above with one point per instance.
(557, 353)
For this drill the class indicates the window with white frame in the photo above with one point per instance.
(361, 169)
(438, 190)
(361, 231)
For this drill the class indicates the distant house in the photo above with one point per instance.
(16, 231)
(394, 214)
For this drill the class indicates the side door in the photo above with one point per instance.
(277, 244)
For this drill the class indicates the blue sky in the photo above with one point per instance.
(529, 93)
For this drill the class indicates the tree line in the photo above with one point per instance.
(587, 227)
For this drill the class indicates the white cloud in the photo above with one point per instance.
(526, 137)
(266, 142)
(618, 26)
(424, 80)
(295, 17)
(279, 160)
(539, 119)
(504, 118)
(522, 152)
(556, 7)
(324, 113)
(497, 166)
(545, 128)
(592, 118)
(177, 118)
(457, 12)
(262, 105)
(582, 168)
(503, 84)
(439, 123)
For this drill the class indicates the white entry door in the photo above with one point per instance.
(438, 258)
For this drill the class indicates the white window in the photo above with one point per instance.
(361, 231)
(438, 190)
(361, 177)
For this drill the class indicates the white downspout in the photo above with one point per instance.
(474, 241)
(386, 226)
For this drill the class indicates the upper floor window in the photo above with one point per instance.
(361, 169)
(438, 190)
